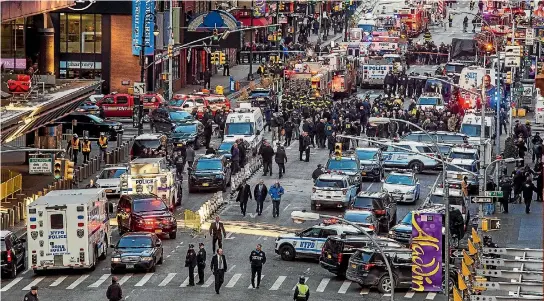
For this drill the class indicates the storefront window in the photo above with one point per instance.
(63, 33)
(74, 32)
(80, 33)
(13, 45)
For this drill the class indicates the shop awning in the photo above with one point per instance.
(256, 21)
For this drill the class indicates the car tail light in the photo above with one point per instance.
(367, 267)
(8, 256)
(540, 109)
(80, 224)
(340, 258)
(344, 191)
(371, 227)
(379, 212)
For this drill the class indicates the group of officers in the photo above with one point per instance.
(75, 145)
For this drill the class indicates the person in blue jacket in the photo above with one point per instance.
(276, 191)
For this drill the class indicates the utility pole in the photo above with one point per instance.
(250, 75)
(170, 51)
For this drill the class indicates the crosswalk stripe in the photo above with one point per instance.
(58, 281)
(125, 278)
(250, 286)
(305, 281)
(430, 296)
(11, 284)
(364, 291)
(34, 282)
(77, 282)
(386, 295)
(409, 295)
(209, 281)
(186, 281)
(233, 280)
(168, 279)
(322, 285)
(144, 280)
(100, 280)
(344, 288)
(277, 283)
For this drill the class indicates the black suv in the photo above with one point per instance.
(191, 132)
(93, 125)
(371, 162)
(381, 204)
(367, 268)
(13, 253)
(337, 250)
(147, 145)
(210, 172)
(163, 120)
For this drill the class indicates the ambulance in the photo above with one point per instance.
(246, 123)
(68, 229)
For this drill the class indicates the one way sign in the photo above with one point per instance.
(457, 253)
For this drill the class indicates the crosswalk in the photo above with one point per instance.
(319, 285)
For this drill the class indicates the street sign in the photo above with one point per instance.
(511, 51)
(494, 194)
(511, 61)
(40, 165)
(482, 200)
(139, 88)
(527, 90)
(529, 36)
(457, 253)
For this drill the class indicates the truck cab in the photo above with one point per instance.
(472, 127)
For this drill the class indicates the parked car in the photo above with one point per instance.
(381, 204)
(110, 179)
(370, 160)
(191, 132)
(333, 190)
(120, 105)
(93, 125)
(403, 187)
(209, 172)
(225, 149)
(13, 254)
(89, 108)
(164, 120)
(139, 250)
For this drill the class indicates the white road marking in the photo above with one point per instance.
(277, 283)
(262, 276)
(34, 282)
(386, 295)
(168, 278)
(286, 207)
(305, 281)
(430, 296)
(125, 278)
(409, 295)
(322, 285)
(186, 281)
(77, 282)
(231, 268)
(229, 236)
(25, 271)
(58, 281)
(344, 288)
(233, 280)
(364, 291)
(11, 284)
(144, 280)
(252, 215)
(100, 280)
(209, 281)
(168, 255)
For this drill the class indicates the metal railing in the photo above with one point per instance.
(12, 182)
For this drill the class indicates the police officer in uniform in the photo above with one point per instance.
(257, 258)
(191, 262)
(74, 144)
(86, 149)
(302, 291)
(103, 144)
(32, 295)
(201, 262)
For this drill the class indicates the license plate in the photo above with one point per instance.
(158, 231)
(363, 173)
(354, 266)
(205, 184)
(109, 191)
(129, 266)
(180, 144)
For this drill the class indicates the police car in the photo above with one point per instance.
(464, 153)
(333, 190)
(395, 156)
(370, 160)
(309, 242)
(403, 187)
(110, 179)
(348, 165)
(430, 101)
(455, 175)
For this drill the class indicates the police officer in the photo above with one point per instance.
(257, 258)
(103, 144)
(86, 149)
(114, 292)
(302, 291)
(201, 262)
(75, 145)
(191, 262)
(317, 172)
(32, 295)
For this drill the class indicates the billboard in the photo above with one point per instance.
(139, 26)
(426, 252)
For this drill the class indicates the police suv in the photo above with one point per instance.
(347, 164)
(396, 156)
(455, 175)
(402, 186)
(309, 242)
(333, 190)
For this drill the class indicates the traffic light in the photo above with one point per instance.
(491, 224)
(509, 77)
(338, 149)
(57, 169)
(214, 58)
(222, 58)
(68, 170)
(170, 50)
(215, 37)
(282, 6)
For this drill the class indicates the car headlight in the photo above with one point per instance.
(146, 258)
(115, 259)
(391, 232)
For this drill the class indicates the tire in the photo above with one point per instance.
(287, 253)
(104, 255)
(224, 188)
(416, 166)
(95, 259)
(152, 269)
(172, 235)
(384, 285)
(162, 258)
(13, 272)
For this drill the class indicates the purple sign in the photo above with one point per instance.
(259, 8)
(427, 252)
(10, 63)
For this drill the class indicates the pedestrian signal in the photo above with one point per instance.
(491, 224)
(68, 170)
(338, 149)
(57, 169)
(222, 59)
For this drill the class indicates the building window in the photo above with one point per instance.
(80, 33)
(13, 45)
(175, 67)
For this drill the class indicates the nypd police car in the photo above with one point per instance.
(309, 242)
(402, 186)
(333, 190)
(348, 165)
(456, 175)
(397, 156)
(370, 159)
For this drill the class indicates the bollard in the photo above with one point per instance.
(119, 139)
(108, 155)
(78, 175)
(117, 156)
(22, 209)
(56, 186)
(17, 213)
(11, 216)
(94, 164)
(45, 191)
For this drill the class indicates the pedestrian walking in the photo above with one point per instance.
(528, 189)
(190, 262)
(267, 153)
(276, 191)
(281, 159)
(219, 267)
(33, 295)
(86, 149)
(260, 192)
(114, 292)
(190, 156)
(302, 291)
(304, 146)
(201, 262)
(257, 258)
(217, 232)
(244, 194)
(75, 145)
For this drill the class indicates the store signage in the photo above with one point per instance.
(426, 248)
(80, 65)
(511, 61)
(529, 36)
(11, 63)
(141, 26)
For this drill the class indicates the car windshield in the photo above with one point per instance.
(363, 202)
(260, 93)
(242, 128)
(225, 147)
(407, 220)
(359, 217)
(215, 100)
(329, 183)
(149, 205)
(112, 173)
(95, 119)
(474, 130)
(457, 155)
(199, 101)
(334, 164)
(455, 168)
(399, 180)
(209, 165)
(153, 144)
(366, 154)
(180, 116)
(428, 101)
(189, 128)
(176, 102)
(454, 68)
(135, 242)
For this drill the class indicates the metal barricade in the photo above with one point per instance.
(192, 220)
(12, 182)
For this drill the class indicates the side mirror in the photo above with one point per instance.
(112, 246)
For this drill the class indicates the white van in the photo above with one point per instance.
(472, 127)
(246, 123)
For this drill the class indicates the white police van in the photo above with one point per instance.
(309, 242)
(396, 156)
(333, 190)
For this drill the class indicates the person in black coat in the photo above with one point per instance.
(114, 292)
(506, 188)
(219, 267)
(244, 194)
(281, 159)
(257, 258)
(528, 188)
(267, 153)
(288, 127)
(191, 262)
(201, 262)
(260, 192)
(208, 131)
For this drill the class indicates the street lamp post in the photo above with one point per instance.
(250, 75)
(302, 216)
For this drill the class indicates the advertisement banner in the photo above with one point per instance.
(259, 8)
(427, 252)
(142, 26)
